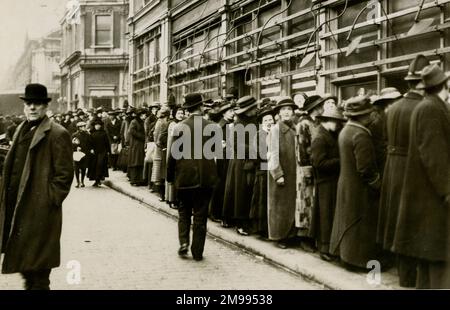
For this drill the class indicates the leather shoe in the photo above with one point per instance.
(282, 245)
(183, 250)
(198, 258)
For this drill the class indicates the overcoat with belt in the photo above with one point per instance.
(31, 239)
(424, 218)
(397, 122)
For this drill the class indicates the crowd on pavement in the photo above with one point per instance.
(359, 180)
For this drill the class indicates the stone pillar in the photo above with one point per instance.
(164, 55)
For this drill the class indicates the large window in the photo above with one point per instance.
(103, 30)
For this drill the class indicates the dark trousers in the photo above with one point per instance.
(79, 169)
(37, 279)
(433, 275)
(193, 201)
(113, 161)
(407, 270)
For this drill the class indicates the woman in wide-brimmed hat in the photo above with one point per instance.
(258, 209)
(239, 182)
(137, 148)
(98, 166)
(282, 178)
(325, 160)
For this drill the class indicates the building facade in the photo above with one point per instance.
(38, 63)
(269, 48)
(94, 62)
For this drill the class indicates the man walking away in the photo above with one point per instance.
(194, 178)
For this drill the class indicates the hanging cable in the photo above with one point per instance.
(320, 26)
(209, 41)
(233, 28)
(265, 24)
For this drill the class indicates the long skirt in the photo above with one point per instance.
(258, 209)
(159, 166)
(324, 214)
(136, 174)
(305, 201)
(98, 167)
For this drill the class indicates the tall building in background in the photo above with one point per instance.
(94, 55)
(269, 48)
(38, 63)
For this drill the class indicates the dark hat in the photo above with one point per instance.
(225, 105)
(327, 96)
(244, 104)
(232, 93)
(208, 104)
(192, 100)
(285, 101)
(387, 95)
(432, 75)
(99, 110)
(140, 111)
(265, 110)
(154, 105)
(333, 114)
(113, 113)
(358, 105)
(416, 67)
(311, 102)
(36, 93)
(96, 121)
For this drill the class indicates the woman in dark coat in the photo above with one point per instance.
(137, 148)
(282, 179)
(240, 174)
(355, 221)
(325, 160)
(258, 209)
(81, 141)
(98, 167)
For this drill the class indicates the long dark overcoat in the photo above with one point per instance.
(282, 163)
(397, 123)
(353, 236)
(137, 142)
(238, 192)
(34, 236)
(98, 166)
(325, 160)
(424, 218)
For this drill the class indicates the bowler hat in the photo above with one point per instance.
(358, 105)
(432, 75)
(387, 95)
(415, 68)
(36, 93)
(244, 104)
(285, 101)
(192, 100)
(333, 114)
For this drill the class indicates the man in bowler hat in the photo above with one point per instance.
(194, 178)
(37, 177)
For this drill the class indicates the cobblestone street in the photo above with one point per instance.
(121, 244)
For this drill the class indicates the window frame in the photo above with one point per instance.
(94, 30)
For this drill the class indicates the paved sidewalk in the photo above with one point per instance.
(308, 265)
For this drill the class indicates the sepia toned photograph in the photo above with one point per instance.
(227, 146)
